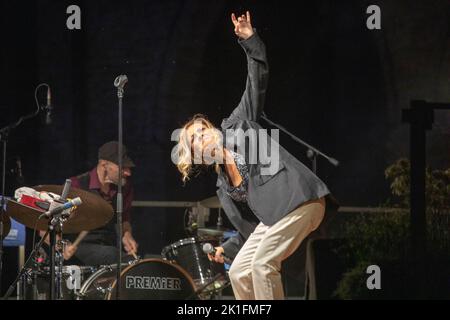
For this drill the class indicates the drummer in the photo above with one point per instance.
(98, 247)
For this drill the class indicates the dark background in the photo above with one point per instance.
(333, 83)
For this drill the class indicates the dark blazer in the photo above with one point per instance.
(270, 197)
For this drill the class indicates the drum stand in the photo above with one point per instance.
(56, 261)
(206, 285)
(55, 257)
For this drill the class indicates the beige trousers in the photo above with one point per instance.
(255, 272)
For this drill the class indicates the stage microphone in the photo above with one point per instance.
(67, 205)
(120, 81)
(19, 170)
(209, 248)
(334, 162)
(66, 189)
(48, 107)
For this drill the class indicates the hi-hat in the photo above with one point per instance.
(93, 213)
(212, 202)
(212, 232)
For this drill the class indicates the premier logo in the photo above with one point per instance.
(152, 283)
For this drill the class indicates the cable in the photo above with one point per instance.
(31, 115)
(36, 99)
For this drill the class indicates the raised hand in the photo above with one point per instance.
(242, 25)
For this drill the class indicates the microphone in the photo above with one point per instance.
(48, 107)
(120, 81)
(19, 170)
(69, 204)
(334, 161)
(66, 189)
(208, 248)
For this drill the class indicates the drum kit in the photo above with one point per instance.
(182, 272)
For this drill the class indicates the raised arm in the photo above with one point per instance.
(252, 102)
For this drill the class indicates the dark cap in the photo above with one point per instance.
(110, 151)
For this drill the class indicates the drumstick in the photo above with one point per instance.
(80, 237)
(134, 255)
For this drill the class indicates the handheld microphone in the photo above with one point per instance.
(209, 248)
(69, 204)
(48, 107)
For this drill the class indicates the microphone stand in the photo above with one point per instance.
(4, 135)
(311, 153)
(219, 220)
(54, 223)
(57, 256)
(119, 83)
(26, 266)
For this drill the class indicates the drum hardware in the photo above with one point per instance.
(103, 290)
(75, 221)
(197, 219)
(27, 264)
(59, 260)
(34, 284)
(202, 291)
(56, 260)
(136, 259)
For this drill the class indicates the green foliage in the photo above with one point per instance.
(383, 239)
(437, 185)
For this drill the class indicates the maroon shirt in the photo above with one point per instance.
(94, 184)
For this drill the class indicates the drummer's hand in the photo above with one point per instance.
(69, 251)
(130, 245)
(218, 257)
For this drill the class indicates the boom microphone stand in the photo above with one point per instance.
(4, 135)
(312, 152)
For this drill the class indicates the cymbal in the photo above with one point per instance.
(214, 232)
(93, 213)
(6, 225)
(212, 202)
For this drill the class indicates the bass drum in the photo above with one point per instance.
(149, 279)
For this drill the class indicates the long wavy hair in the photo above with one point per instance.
(184, 151)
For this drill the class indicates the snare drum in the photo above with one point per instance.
(149, 279)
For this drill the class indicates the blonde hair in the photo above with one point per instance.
(184, 150)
